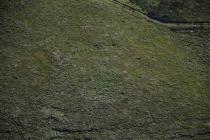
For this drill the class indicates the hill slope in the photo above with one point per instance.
(93, 70)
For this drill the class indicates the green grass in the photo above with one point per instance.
(96, 70)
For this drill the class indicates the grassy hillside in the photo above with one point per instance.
(176, 10)
(92, 70)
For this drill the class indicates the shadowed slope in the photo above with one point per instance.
(176, 10)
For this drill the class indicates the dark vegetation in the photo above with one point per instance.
(176, 10)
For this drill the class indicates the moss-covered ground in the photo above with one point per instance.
(92, 70)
